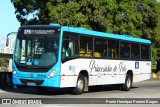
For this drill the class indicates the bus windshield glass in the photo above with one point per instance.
(37, 48)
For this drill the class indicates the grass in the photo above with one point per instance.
(158, 74)
(154, 69)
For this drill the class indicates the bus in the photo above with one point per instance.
(58, 56)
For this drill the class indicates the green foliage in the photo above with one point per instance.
(139, 18)
(66, 14)
(4, 62)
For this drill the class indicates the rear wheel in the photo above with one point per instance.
(79, 89)
(128, 83)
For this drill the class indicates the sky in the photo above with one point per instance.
(8, 21)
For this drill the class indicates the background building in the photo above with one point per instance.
(10, 48)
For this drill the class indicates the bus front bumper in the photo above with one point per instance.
(46, 82)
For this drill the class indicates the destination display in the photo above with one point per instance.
(29, 31)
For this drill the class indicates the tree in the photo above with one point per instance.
(142, 19)
(31, 11)
(66, 13)
(4, 62)
(139, 18)
(151, 27)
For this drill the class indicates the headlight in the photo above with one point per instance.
(52, 73)
(15, 73)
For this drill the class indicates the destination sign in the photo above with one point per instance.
(29, 31)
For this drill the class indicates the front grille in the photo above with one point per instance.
(33, 69)
(37, 82)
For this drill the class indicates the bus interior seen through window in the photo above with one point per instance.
(98, 47)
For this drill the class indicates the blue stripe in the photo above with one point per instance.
(107, 35)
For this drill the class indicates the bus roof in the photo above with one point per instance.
(90, 32)
(103, 34)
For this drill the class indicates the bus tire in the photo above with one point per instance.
(128, 83)
(79, 89)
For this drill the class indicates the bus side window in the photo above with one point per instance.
(113, 49)
(100, 48)
(125, 49)
(70, 46)
(68, 49)
(109, 52)
(86, 46)
(145, 55)
(135, 51)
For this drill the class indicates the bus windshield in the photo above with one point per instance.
(37, 50)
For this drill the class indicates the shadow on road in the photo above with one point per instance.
(5, 80)
(62, 91)
(107, 88)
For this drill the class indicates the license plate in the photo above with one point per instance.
(31, 84)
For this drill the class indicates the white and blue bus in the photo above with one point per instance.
(62, 56)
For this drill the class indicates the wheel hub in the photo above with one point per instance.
(128, 82)
(80, 85)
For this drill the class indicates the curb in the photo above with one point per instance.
(154, 76)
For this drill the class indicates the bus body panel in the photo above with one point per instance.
(144, 72)
(104, 71)
(38, 79)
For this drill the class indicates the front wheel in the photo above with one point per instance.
(128, 83)
(79, 89)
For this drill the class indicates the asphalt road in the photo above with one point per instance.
(145, 89)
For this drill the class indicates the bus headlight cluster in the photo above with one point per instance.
(52, 73)
(15, 73)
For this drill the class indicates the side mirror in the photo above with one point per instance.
(7, 41)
